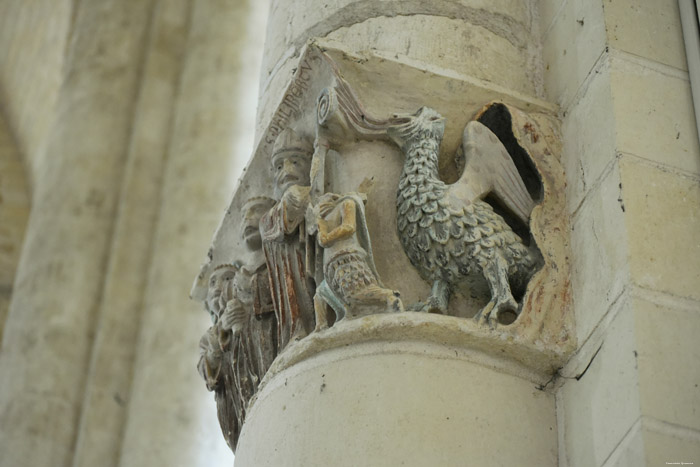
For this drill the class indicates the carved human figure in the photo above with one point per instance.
(243, 380)
(351, 284)
(283, 237)
(252, 286)
(216, 364)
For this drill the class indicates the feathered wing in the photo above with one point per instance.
(490, 169)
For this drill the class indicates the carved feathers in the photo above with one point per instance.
(490, 169)
(447, 231)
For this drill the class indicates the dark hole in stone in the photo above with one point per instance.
(497, 119)
(507, 317)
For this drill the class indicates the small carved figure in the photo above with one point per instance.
(244, 380)
(351, 285)
(284, 242)
(216, 363)
(252, 285)
(453, 237)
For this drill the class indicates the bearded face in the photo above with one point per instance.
(220, 291)
(290, 168)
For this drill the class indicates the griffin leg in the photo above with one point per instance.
(437, 301)
(496, 274)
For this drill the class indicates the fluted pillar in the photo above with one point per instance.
(169, 412)
(49, 330)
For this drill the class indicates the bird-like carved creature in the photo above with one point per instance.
(450, 234)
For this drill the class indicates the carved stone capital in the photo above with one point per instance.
(430, 208)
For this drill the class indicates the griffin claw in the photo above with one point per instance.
(491, 312)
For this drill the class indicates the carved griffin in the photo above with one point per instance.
(451, 235)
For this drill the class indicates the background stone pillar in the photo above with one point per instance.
(14, 211)
(169, 409)
(49, 329)
(108, 388)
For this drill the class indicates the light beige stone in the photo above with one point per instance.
(588, 134)
(599, 258)
(366, 25)
(170, 411)
(600, 407)
(630, 451)
(547, 11)
(667, 134)
(109, 380)
(47, 443)
(14, 212)
(33, 42)
(647, 29)
(663, 448)
(451, 44)
(570, 49)
(292, 24)
(662, 217)
(666, 346)
(398, 404)
(50, 324)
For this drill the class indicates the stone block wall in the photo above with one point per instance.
(617, 69)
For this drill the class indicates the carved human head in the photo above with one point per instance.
(291, 161)
(253, 210)
(220, 289)
(425, 123)
(326, 203)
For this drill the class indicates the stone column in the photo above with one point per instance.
(169, 411)
(618, 72)
(108, 388)
(14, 211)
(49, 331)
(401, 388)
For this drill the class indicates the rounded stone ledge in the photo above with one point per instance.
(461, 337)
(406, 402)
(446, 43)
(294, 23)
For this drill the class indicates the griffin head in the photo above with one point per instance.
(405, 129)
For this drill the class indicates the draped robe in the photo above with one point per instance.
(284, 243)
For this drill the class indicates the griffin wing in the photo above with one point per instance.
(490, 169)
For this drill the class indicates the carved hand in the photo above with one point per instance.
(295, 200)
(209, 365)
(234, 317)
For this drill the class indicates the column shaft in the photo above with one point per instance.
(59, 281)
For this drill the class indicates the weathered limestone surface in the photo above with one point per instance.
(389, 403)
(108, 392)
(48, 333)
(14, 211)
(632, 159)
(33, 43)
(169, 411)
(466, 37)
